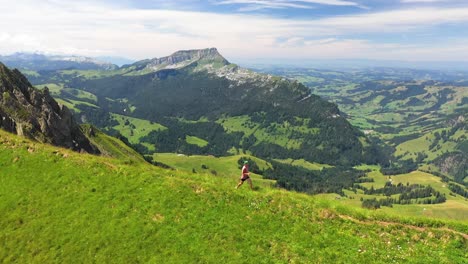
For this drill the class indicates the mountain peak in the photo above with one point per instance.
(209, 53)
(182, 58)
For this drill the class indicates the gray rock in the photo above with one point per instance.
(33, 113)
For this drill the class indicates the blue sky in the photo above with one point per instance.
(409, 30)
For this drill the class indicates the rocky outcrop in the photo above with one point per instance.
(454, 164)
(33, 113)
(183, 58)
(187, 55)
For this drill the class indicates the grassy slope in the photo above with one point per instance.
(54, 89)
(305, 164)
(456, 207)
(224, 166)
(59, 206)
(411, 148)
(136, 128)
(196, 141)
(84, 98)
(111, 146)
(276, 133)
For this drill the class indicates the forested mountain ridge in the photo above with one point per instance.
(206, 105)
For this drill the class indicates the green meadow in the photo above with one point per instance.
(196, 141)
(222, 166)
(59, 206)
(411, 148)
(276, 133)
(73, 97)
(305, 164)
(134, 128)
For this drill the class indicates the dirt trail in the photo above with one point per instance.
(418, 228)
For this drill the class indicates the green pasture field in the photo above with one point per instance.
(411, 148)
(277, 133)
(305, 164)
(136, 128)
(196, 141)
(64, 207)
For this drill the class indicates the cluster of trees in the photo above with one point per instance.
(442, 136)
(389, 202)
(330, 180)
(400, 139)
(151, 160)
(400, 167)
(458, 189)
(409, 194)
(174, 138)
(390, 189)
(96, 116)
(372, 203)
(412, 90)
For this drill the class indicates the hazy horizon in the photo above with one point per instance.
(406, 30)
(342, 64)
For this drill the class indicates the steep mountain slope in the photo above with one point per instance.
(198, 94)
(110, 146)
(30, 112)
(67, 207)
(41, 62)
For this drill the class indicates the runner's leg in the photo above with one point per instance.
(250, 183)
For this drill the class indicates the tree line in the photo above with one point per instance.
(408, 194)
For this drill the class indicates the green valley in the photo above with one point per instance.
(420, 115)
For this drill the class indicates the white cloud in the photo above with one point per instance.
(330, 2)
(15, 42)
(98, 29)
(395, 21)
(262, 4)
(424, 1)
(360, 48)
(276, 4)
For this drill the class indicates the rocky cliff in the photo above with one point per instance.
(33, 113)
(453, 164)
(184, 58)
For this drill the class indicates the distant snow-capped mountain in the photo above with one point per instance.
(38, 62)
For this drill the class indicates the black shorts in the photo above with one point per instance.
(245, 178)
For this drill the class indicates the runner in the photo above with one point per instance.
(245, 176)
